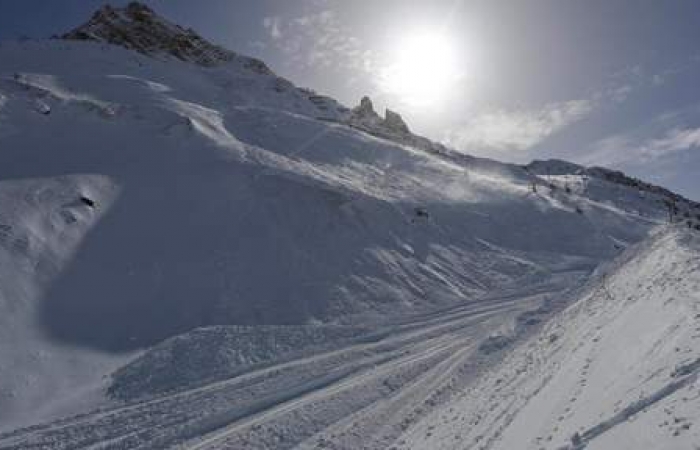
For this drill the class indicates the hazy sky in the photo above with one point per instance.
(602, 82)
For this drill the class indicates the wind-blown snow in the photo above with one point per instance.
(144, 199)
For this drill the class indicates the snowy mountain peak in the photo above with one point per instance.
(139, 28)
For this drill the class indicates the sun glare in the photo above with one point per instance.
(424, 67)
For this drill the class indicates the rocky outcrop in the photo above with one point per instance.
(364, 116)
(394, 122)
(365, 113)
(138, 28)
(392, 127)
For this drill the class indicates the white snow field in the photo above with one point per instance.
(194, 253)
(618, 369)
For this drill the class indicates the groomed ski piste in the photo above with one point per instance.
(618, 369)
(206, 256)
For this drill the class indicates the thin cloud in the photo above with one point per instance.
(510, 133)
(516, 130)
(630, 148)
(634, 78)
(273, 27)
(320, 40)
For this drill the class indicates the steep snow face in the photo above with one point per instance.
(227, 181)
(617, 370)
(148, 197)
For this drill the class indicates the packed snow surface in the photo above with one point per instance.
(616, 370)
(206, 256)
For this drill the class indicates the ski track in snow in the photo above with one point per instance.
(618, 369)
(400, 371)
(235, 191)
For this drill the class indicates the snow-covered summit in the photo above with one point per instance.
(139, 28)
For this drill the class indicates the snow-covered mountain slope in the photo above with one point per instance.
(682, 209)
(147, 193)
(616, 370)
(139, 28)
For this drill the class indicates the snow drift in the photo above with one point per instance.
(170, 185)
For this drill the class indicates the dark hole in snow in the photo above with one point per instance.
(421, 212)
(87, 201)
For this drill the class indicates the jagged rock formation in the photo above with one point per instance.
(394, 122)
(137, 27)
(366, 118)
(364, 114)
(365, 107)
(392, 127)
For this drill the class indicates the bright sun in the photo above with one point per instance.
(424, 68)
